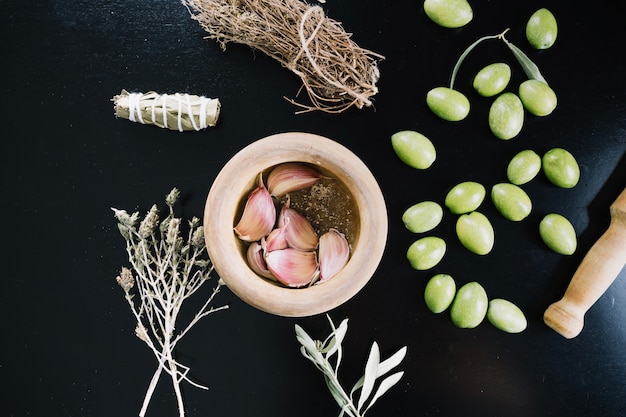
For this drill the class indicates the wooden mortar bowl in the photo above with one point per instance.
(230, 191)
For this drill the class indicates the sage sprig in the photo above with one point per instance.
(327, 355)
(169, 265)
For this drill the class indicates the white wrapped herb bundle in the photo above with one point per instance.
(170, 111)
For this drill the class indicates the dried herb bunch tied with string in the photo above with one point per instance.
(335, 72)
(182, 112)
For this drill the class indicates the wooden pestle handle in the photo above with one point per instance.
(599, 268)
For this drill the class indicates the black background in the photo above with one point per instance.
(68, 347)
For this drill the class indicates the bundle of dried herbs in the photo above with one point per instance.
(170, 111)
(335, 72)
(169, 265)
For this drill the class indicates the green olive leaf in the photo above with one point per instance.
(530, 68)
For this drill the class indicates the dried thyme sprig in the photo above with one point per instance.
(321, 354)
(169, 267)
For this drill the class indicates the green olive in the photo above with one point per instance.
(465, 197)
(511, 201)
(523, 167)
(541, 29)
(414, 149)
(422, 217)
(439, 292)
(506, 116)
(448, 104)
(561, 168)
(426, 252)
(506, 316)
(558, 234)
(492, 79)
(449, 13)
(469, 306)
(475, 232)
(537, 97)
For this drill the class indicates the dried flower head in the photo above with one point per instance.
(125, 279)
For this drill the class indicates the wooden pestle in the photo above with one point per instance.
(599, 268)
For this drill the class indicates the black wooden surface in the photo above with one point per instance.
(68, 347)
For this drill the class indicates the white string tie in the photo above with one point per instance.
(134, 108)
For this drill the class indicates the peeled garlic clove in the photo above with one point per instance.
(259, 215)
(292, 267)
(277, 239)
(289, 177)
(256, 260)
(298, 231)
(334, 252)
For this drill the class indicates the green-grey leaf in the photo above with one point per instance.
(384, 386)
(391, 362)
(530, 68)
(384, 367)
(304, 338)
(338, 395)
(336, 340)
(371, 370)
(464, 54)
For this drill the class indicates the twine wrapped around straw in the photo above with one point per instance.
(175, 111)
(335, 72)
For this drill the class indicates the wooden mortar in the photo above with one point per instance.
(599, 268)
(229, 192)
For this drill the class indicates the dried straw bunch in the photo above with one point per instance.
(336, 73)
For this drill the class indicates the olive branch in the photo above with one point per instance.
(366, 388)
(169, 268)
(528, 66)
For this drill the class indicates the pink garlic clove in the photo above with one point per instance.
(292, 267)
(276, 240)
(256, 260)
(291, 176)
(334, 252)
(298, 231)
(259, 215)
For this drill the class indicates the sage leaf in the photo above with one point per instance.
(391, 362)
(384, 367)
(304, 339)
(371, 370)
(336, 340)
(384, 386)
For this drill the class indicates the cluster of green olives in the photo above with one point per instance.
(470, 305)
(506, 114)
(474, 230)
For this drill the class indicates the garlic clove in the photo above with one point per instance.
(334, 253)
(259, 215)
(292, 267)
(276, 240)
(256, 260)
(299, 233)
(291, 176)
